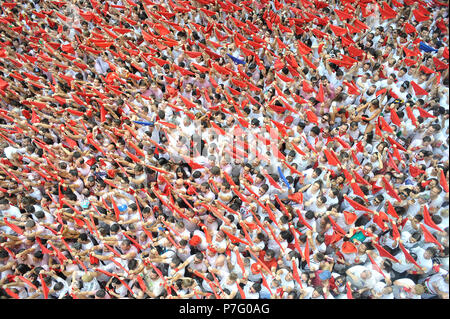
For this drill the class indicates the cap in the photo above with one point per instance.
(195, 240)
(254, 268)
(288, 120)
(324, 275)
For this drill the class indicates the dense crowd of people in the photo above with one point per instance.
(291, 149)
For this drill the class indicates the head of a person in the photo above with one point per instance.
(100, 294)
(269, 255)
(153, 274)
(429, 253)
(366, 274)
(367, 168)
(198, 258)
(316, 173)
(4, 204)
(87, 277)
(317, 293)
(419, 289)
(263, 189)
(220, 236)
(315, 131)
(125, 245)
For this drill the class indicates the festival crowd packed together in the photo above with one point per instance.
(223, 149)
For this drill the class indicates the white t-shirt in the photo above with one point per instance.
(155, 286)
(436, 279)
(421, 261)
(404, 289)
(12, 211)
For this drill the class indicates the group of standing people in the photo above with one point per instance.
(224, 149)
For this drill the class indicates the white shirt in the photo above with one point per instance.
(421, 261)
(436, 279)
(10, 151)
(12, 211)
(402, 293)
(91, 286)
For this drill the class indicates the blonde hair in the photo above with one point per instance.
(87, 277)
(187, 282)
(419, 289)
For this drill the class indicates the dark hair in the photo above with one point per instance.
(436, 219)
(199, 255)
(287, 235)
(73, 172)
(318, 171)
(270, 253)
(417, 236)
(257, 286)
(320, 238)
(38, 254)
(58, 286)
(316, 130)
(3, 253)
(309, 214)
(132, 264)
(100, 293)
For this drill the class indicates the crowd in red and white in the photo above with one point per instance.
(223, 149)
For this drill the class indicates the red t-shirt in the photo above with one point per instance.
(317, 282)
(271, 263)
